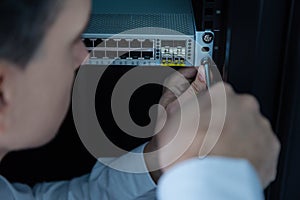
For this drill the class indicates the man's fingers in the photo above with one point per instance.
(177, 84)
(188, 72)
(167, 98)
(197, 86)
(177, 88)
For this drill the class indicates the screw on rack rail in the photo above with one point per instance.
(208, 37)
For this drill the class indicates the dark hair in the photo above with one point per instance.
(23, 26)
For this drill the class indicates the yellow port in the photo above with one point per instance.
(172, 65)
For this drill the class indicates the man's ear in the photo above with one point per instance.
(8, 72)
(3, 101)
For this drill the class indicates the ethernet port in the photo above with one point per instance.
(182, 60)
(123, 54)
(99, 54)
(88, 42)
(176, 60)
(147, 44)
(135, 44)
(111, 43)
(169, 60)
(98, 43)
(135, 54)
(147, 54)
(123, 44)
(111, 54)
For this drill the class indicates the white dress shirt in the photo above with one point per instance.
(211, 178)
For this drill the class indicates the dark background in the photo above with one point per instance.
(259, 53)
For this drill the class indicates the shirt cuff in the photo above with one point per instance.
(211, 178)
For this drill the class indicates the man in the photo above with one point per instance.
(40, 51)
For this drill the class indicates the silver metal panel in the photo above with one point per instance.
(199, 53)
(141, 7)
(111, 24)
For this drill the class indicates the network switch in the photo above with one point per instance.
(156, 33)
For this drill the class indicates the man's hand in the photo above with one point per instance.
(246, 133)
(176, 87)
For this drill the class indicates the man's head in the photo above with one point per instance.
(40, 48)
(23, 26)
